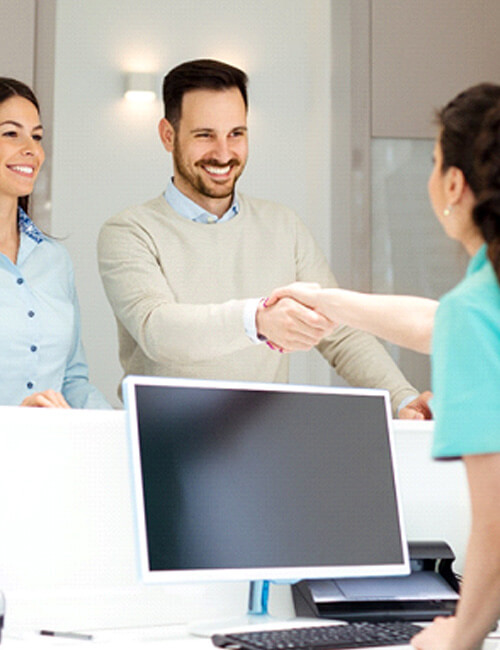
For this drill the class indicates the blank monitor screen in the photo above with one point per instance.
(263, 481)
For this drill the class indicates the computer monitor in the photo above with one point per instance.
(249, 481)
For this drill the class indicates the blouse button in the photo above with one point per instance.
(29, 384)
(19, 281)
(33, 348)
(31, 313)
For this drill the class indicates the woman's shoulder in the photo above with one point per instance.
(56, 248)
(52, 254)
(42, 242)
(481, 289)
(473, 305)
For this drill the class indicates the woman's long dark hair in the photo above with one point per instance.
(487, 163)
(13, 88)
(470, 140)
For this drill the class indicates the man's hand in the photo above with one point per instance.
(418, 409)
(46, 399)
(437, 636)
(291, 326)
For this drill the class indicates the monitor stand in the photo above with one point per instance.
(257, 614)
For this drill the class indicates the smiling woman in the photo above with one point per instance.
(22, 160)
(43, 363)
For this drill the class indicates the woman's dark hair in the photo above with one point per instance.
(470, 140)
(486, 212)
(201, 74)
(13, 88)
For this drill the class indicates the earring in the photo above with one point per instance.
(448, 210)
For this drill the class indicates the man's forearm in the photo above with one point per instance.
(362, 361)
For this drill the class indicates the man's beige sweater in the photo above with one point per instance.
(178, 291)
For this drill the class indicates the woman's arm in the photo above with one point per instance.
(404, 320)
(479, 606)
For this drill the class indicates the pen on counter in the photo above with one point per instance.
(67, 635)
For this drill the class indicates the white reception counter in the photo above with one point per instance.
(67, 545)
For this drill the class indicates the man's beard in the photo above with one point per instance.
(197, 182)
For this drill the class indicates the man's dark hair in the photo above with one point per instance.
(201, 74)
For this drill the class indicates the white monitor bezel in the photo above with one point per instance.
(278, 574)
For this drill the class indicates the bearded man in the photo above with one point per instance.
(187, 273)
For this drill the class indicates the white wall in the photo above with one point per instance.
(17, 46)
(107, 154)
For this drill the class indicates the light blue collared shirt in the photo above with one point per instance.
(40, 344)
(191, 210)
(188, 209)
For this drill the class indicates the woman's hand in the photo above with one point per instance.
(46, 399)
(437, 636)
(306, 293)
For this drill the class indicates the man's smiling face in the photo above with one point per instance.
(210, 147)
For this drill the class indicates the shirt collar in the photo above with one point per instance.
(27, 227)
(187, 208)
(478, 260)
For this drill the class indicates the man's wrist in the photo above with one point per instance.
(250, 320)
(405, 402)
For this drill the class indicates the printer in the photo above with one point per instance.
(430, 590)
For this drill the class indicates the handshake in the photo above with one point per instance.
(291, 319)
(298, 316)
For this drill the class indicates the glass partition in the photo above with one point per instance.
(410, 252)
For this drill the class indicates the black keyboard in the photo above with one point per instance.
(331, 637)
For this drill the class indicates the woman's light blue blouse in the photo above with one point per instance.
(40, 344)
(466, 365)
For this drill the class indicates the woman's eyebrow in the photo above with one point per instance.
(14, 123)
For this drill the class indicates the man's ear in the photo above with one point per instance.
(455, 185)
(167, 134)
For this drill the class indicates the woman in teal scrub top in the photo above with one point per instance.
(463, 330)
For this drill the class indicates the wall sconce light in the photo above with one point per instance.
(140, 86)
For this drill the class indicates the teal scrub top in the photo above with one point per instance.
(466, 365)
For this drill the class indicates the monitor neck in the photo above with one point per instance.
(258, 598)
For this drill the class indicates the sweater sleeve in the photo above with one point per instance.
(356, 356)
(144, 303)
